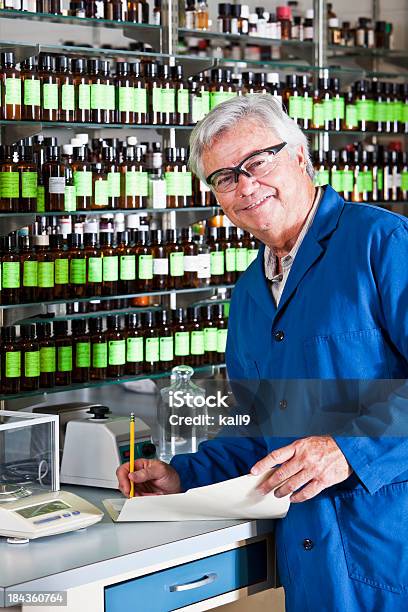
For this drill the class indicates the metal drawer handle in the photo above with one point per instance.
(207, 579)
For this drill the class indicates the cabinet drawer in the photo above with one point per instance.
(191, 582)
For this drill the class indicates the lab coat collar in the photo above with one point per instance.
(324, 223)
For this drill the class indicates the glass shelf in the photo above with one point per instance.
(245, 39)
(84, 21)
(355, 133)
(109, 211)
(382, 53)
(91, 126)
(48, 318)
(205, 370)
(121, 297)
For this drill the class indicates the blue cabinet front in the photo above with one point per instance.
(191, 582)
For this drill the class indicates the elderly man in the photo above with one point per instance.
(327, 298)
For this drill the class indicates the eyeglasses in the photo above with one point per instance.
(257, 165)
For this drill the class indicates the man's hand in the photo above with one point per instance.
(151, 477)
(313, 463)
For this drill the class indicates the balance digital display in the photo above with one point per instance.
(39, 509)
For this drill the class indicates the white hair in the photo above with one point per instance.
(265, 109)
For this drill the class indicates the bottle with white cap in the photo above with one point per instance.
(273, 80)
(308, 28)
(243, 24)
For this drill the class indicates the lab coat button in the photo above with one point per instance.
(279, 335)
(308, 544)
(283, 404)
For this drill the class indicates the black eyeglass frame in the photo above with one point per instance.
(237, 170)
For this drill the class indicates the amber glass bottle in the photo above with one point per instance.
(139, 95)
(9, 181)
(210, 335)
(45, 267)
(10, 87)
(99, 349)
(110, 264)
(134, 180)
(77, 266)
(113, 176)
(197, 346)
(181, 338)
(11, 276)
(102, 88)
(61, 267)
(166, 341)
(30, 358)
(152, 350)
(222, 330)
(28, 270)
(48, 362)
(63, 345)
(100, 198)
(67, 108)
(154, 86)
(28, 179)
(125, 102)
(54, 176)
(82, 91)
(10, 361)
(229, 248)
(217, 262)
(81, 345)
(144, 262)
(94, 265)
(82, 171)
(172, 176)
(116, 347)
(49, 88)
(134, 345)
(175, 255)
(168, 95)
(160, 261)
(127, 264)
(31, 110)
(190, 257)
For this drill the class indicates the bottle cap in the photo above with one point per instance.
(74, 240)
(236, 11)
(56, 241)
(224, 9)
(28, 64)
(283, 13)
(7, 58)
(9, 333)
(25, 153)
(52, 152)
(41, 240)
(27, 331)
(68, 149)
(122, 68)
(310, 14)
(46, 63)
(63, 63)
(113, 322)
(90, 239)
(106, 239)
(96, 325)
(44, 330)
(78, 326)
(245, 11)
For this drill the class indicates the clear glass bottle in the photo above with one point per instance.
(175, 436)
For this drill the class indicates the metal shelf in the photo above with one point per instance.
(121, 297)
(205, 370)
(108, 211)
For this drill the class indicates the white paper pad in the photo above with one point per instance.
(231, 499)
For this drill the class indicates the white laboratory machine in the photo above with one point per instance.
(31, 504)
(96, 446)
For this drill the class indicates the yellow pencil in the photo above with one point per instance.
(132, 453)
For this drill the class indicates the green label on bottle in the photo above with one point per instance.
(70, 198)
(380, 112)
(351, 116)
(152, 350)
(183, 105)
(47, 359)
(101, 193)
(145, 267)
(83, 354)
(318, 115)
(140, 100)
(32, 364)
(46, 274)
(50, 96)
(197, 343)
(136, 183)
(9, 185)
(322, 177)
(197, 109)
(157, 99)
(217, 263)
(221, 340)
(126, 99)
(110, 268)
(116, 352)
(40, 198)
(98, 96)
(166, 348)
(368, 180)
(100, 355)
(328, 109)
(404, 113)
(205, 102)
(61, 271)
(360, 183)
(95, 270)
(172, 183)
(338, 108)
(252, 255)
(77, 271)
(13, 364)
(113, 184)
(83, 183)
(210, 338)
(176, 264)
(68, 97)
(181, 344)
(295, 107)
(32, 92)
(186, 184)
(29, 184)
(84, 96)
(364, 110)
(11, 275)
(216, 97)
(110, 97)
(230, 263)
(241, 258)
(30, 271)
(127, 267)
(134, 350)
(64, 358)
(380, 179)
(388, 111)
(337, 180)
(404, 180)
(348, 181)
(13, 91)
(307, 107)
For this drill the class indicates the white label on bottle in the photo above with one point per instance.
(360, 38)
(157, 193)
(204, 265)
(308, 32)
(56, 184)
(161, 266)
(397, 180)
(190, 22)
(234, 26)
(244, 26)
(204, 188)
(190, 263)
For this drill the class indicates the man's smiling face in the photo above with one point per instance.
(266, 206)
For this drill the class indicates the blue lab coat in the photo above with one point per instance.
(343, 315)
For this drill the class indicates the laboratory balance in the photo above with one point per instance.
(31, 504)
